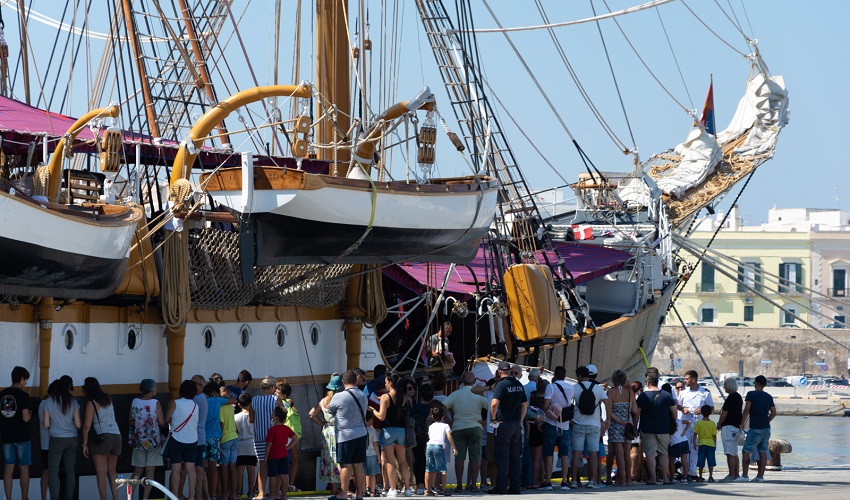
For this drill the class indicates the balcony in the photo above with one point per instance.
(709, 288)
(836, 292)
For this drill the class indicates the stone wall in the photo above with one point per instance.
(724, 347)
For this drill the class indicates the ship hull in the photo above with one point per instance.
(626, 343)
(50, 253)
(302, 218)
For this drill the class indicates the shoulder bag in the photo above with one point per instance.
(567, 412)
(164, 450)
(94, 436)
(360, 407)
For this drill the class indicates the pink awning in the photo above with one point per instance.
(585, 262)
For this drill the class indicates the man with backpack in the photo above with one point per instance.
(587, 425)
(559, 410)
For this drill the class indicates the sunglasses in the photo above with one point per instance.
(410, 388)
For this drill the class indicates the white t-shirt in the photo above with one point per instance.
(694, 400)
(245, 431)
(555, 396)
(437, 433)
(372, 438)
(677, 436)
(595, 419)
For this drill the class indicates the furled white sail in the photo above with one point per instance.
(761, 114)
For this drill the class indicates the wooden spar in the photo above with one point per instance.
(25, 61)
(369, 139)
(140, 68)
(332, 77)
(184, 159)
(45, 314)
(55, 165)
(206, 81)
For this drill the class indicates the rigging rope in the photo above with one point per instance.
(630, 10)
(176, 296)
(713, 32)
(645, 65)
(675, 59)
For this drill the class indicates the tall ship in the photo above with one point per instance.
(167, 213)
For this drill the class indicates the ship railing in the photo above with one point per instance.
(143, 481)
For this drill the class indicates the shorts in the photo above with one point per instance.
(228, 452)
(490, 448)
(212, 449)
(147, 458)
(181, 452)
(43, 459)
(391, 436)
(278, 466)
(199, 454)
(706, 453)
(111, 445)
(372, 467)
(600, 454)
(679, 449)
(585, 437)
(18, 453)
(729, 436)
(757, 441)
(435, 460)
(468, 439)
(654, 443)
(352, 451)
(246, 460)
(553, 436)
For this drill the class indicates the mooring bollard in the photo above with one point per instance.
(777, 447)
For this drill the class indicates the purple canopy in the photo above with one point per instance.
(585, 262)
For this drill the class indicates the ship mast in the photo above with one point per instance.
(332, 82)
(140, 67)
(205, 82)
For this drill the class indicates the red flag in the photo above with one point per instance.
(707, 120)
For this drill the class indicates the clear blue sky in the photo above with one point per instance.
(803, 41)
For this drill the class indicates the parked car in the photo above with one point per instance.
(777, 382)
(836, 381)
(834, 325)
(789, 325)
(736, 324)
(693, 323)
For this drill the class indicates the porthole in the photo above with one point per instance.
(314, 334)
(134, 338)
(280, 335)
(245, 335)
(69, 338)
(208, 337)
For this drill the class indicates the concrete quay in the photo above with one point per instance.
(824, 483)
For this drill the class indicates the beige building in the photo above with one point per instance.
(798, 260)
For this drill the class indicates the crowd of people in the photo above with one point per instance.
(391, 435)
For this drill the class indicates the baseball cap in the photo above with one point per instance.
(504, 366)
(534, 372)
(592, 369)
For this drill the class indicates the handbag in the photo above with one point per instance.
(567, 412)
(629, 431)
(164, 450)
(94, 437)
(410, 431)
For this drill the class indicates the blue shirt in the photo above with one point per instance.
(760, 405)
(655, 411)
(212, 426)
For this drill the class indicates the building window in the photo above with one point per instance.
(749, 277)
(839, 283)
(707, 315)
(748, 313)
(707, 283)
(788, 316)
(790, 277)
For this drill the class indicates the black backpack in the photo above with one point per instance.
(587, 400)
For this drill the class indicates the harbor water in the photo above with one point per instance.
(816, 441)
